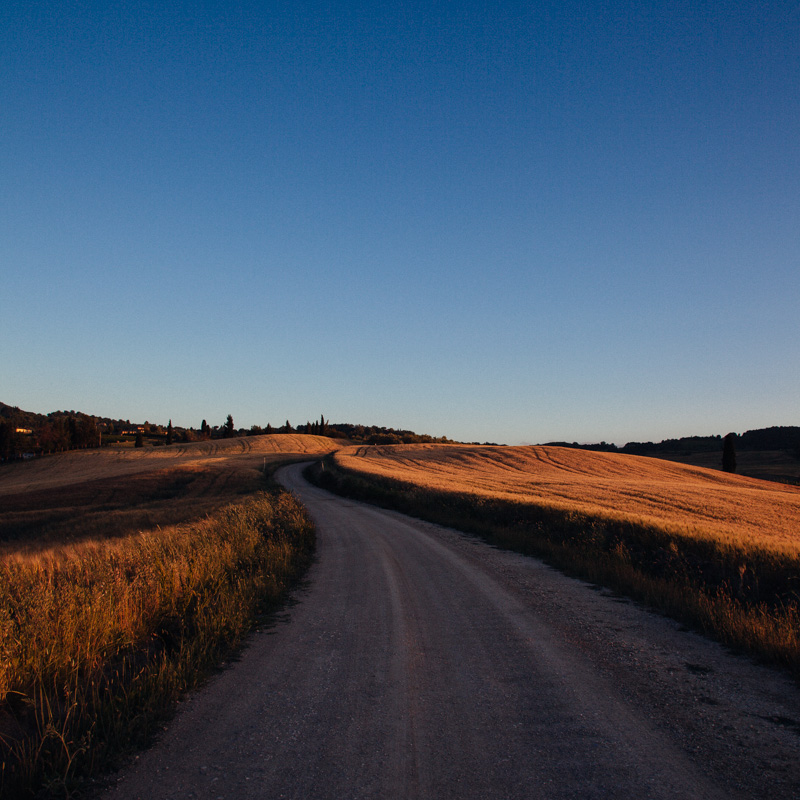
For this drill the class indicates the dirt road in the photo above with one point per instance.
(421, 663)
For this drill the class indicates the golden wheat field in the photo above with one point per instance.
(113, 492)
(693, 500)
(86, 465)
(125, 574)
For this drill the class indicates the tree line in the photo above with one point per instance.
(784, 438)
(24, 434)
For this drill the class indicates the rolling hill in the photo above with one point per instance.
(610, 485)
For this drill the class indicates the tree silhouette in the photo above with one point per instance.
(729, 453)
(169, 432)
(227, 431)
(7, 431)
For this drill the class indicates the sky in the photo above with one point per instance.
(508, 222)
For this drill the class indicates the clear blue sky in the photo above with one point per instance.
(515, 222)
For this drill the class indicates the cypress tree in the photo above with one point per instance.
(729, 453)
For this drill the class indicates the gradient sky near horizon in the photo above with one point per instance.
(514, 222)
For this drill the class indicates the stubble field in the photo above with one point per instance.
(91, 494)
(689, 500)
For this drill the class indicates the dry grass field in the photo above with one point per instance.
(89, 494)
(110, 462)
(689, 500)
(125, 575)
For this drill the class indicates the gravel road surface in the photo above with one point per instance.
(418, 662)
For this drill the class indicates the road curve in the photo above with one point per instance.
(421, 663)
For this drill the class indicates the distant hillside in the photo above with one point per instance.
(373, 434)
(24, 434)
(784, 437)
(29, 419)
(781, 437)
(768, 453)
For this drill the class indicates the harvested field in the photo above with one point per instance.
(113, 492)
(689, 500)
(77, 466)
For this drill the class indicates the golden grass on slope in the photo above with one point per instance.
(689, 500)
(114, 507)
(64, 469)
(89, 494)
